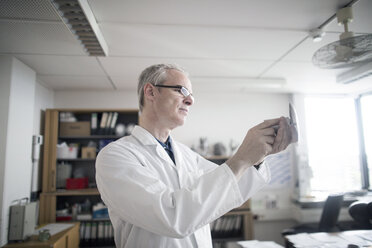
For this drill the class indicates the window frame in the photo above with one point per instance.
(363, 155)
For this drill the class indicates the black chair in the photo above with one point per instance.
(361, 212)
(328, 220)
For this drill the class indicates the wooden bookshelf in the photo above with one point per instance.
(51, 196)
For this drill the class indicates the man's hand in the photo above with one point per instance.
(256, 145)
(286, 135)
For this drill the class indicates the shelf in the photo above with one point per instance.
(76, 159)
(227, 239)
(91, 137)
(74, 192)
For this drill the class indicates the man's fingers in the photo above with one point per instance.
(270, 139)
(283, 135)
(268, 123)
(269, 131)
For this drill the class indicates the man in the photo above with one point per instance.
(159, 193)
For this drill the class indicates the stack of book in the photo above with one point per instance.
(104, 123)
(229, 226)
(96, 233)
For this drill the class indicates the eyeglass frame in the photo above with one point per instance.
(185, 92)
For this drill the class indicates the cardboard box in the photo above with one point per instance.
(88, 152)
(79, 128)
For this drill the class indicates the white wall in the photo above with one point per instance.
(44, 98)
(5, 76)
(18, 83)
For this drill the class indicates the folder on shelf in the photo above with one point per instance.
(238, 225)
(107, 231)
(93, 124)
(87, 231)
(93, 234)
(103, 122)
(101, 232)
(108, 123)
(113, 122)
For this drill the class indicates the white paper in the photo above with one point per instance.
(324, 237)
(331, 240)
(54, 228)
(299, 240)
(367, 235)
(356, 238)
(258, 244)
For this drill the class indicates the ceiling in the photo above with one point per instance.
(242, 45)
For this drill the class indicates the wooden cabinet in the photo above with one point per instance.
(55, 198)
(65, 239)
(51, 193)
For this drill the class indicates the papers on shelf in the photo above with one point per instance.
(257, 244)
(54, 228)
(299, 240)
(335, 240)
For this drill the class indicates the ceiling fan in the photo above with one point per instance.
(349, 51)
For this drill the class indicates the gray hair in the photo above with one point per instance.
(155, 74)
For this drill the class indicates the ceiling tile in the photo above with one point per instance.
(128, 82)
(30, 9)
(116, 66)
(76, 82)
(63, 65)
(198, 42)
(38, 38)
(283, 14)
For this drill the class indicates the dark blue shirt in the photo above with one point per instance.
(168, 148)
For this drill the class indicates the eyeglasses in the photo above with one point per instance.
(185, 92)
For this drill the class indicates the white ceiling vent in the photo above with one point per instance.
(355, 74)
(79, 18)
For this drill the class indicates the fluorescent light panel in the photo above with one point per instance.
(79, 18)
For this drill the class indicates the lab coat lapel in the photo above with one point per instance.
(164, 155)
(146, 138)
(177, 155)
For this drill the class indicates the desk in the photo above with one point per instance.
(66, 239)
(336, 239)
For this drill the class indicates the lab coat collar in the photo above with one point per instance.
(147, 139)
(144, 136)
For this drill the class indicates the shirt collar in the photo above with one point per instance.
(167, 144)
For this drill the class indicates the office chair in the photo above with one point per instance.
(361, 212)
(328, 219)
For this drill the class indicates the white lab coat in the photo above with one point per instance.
(154, 203)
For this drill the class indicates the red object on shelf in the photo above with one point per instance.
(63, 218)
(77, 183)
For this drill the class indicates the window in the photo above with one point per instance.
(333, 145)
(366, 110)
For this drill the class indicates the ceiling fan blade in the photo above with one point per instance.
(344, 53)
